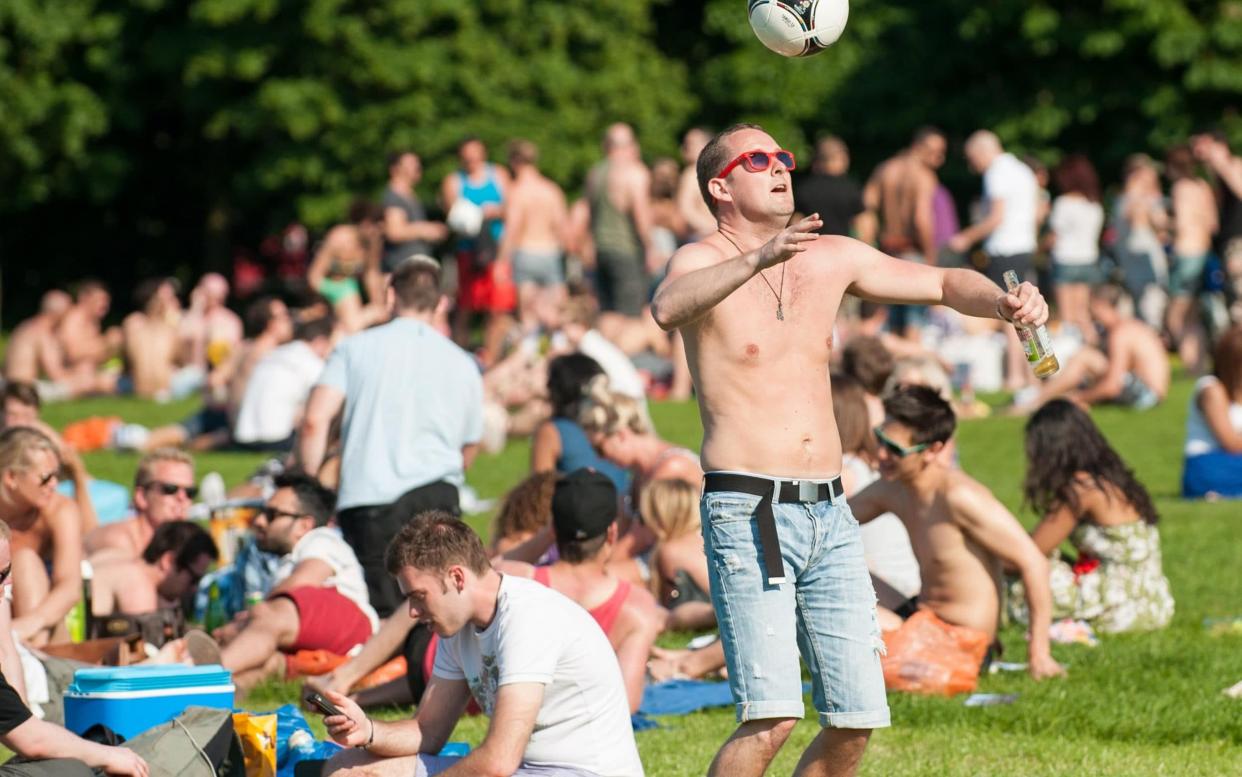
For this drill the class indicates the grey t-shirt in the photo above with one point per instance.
(414, 211)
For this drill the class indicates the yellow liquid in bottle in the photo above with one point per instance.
(1047, 366)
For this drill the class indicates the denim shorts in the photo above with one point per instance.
(825, 612)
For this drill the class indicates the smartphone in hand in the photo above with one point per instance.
(324, 706)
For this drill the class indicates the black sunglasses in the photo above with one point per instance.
(48, 478)
(271, 514)
(4, 575)
(171, 489)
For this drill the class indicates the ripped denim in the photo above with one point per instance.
(825, 612)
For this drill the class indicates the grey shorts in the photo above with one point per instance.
(1136, 394)
(542, 268)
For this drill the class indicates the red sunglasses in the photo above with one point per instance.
(758, 161)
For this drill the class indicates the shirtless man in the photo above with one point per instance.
(47, 534)
(1194, 225)
(152, 585)
(759, 348)
(619, 192)
(960, 533)
(534, 237)
(689, 201)
(163, 490)
(584, 519)
(898, 202)
(1132, 370)
(151, 339)
(85, 345)
(209, 330)
(34, 353)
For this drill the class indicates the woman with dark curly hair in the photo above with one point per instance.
(1088, 496)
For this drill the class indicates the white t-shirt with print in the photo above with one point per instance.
(540, 636)
(326, 544)
(1008, 179)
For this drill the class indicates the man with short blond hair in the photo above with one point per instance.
(163, 491)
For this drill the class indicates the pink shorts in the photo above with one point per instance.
(327, 620)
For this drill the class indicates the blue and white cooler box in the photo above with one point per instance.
(131, 699)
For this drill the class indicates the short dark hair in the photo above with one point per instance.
(923, 410)
(715, 156)
(86, 286)
(433, 541)
(1179, 163)
(314, 498)
(186, 540)
(319, 326)
(259, 315)
(924, 132)
(146, 290)
(866, 359)
(416, 282)
(394, 157)
(467, 140)
(578, 551)
(1110, 294)
(363, 210)
(22, 392)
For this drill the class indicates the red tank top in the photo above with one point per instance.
(605, 614)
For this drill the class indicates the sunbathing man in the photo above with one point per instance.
(34, 354)
(320, 599)
(151, 343)
(584, 518)
(1132, 370)
(209, 331)
(84, 343)
(46, 534)
(537, 664)
(163, 490)
(961, 536)
(144, 595)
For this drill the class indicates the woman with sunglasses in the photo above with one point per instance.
(758, 349)
(47, 534)
(1090, 498)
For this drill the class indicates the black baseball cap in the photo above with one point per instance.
(584, 505)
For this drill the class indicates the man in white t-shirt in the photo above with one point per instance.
(1010, 200)
(320, 598)
(537, 664)
(271, 408)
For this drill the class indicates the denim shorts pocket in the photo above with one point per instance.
(728, 506)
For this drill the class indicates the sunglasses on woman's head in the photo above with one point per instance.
(171, 489)
(895, 448)
(758, 161)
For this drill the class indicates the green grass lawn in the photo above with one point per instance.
(1135, 705)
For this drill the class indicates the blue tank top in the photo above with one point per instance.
(577, 452)
(486, 193)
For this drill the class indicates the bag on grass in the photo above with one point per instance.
(257, 734)
(928, 655)
(197, 743)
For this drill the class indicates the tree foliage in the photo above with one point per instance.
(145, 135)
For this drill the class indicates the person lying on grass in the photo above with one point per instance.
(537, 664)
(962, 536)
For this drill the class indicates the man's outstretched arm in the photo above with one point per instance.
(695, 284)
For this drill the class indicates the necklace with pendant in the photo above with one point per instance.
(780, 307)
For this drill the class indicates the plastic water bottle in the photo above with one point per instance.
(1035, 340)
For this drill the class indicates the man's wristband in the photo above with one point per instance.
(370, 739)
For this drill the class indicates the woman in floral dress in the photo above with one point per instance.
(1088, 496)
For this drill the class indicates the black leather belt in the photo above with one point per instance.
(785, 492)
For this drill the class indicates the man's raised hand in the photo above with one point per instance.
(789, 241)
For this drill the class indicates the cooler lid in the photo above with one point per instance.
(148, 678)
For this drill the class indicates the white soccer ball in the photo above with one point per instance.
(465, 218)
(798, 28)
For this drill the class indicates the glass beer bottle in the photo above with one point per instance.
(1035, 340)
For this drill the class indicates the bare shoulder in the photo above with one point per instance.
(694, 256)
(970, 501)
(63, 513)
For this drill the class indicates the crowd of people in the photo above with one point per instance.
(375, 383)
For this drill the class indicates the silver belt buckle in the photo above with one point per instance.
(808, 492)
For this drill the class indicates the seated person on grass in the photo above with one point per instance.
(45, 749)
(320, 600)
(536, 662)
(46, 536)
(961, 535)
(163, 490)
(145, 595)
(1132, 370)
(584, 519)
(670, 508)
(21, 408)
(1088, 496)
(1213, 449)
